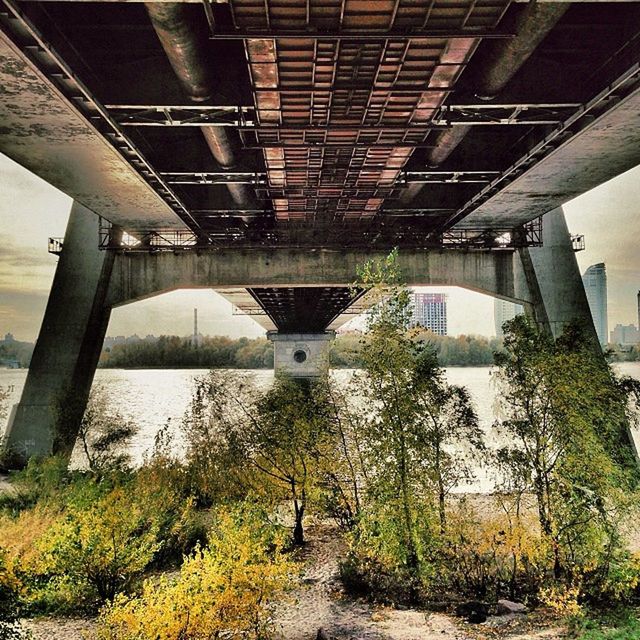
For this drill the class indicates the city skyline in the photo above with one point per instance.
(32, 211)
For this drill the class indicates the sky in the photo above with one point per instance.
(31, 211)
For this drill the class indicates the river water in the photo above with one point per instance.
(151, 397)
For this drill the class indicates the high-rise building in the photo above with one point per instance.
(595, 286)
(430, 312)
(504, 310)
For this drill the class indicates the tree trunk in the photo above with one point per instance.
(441, 507)
(298, 530)
(441, 493)
(412, 554)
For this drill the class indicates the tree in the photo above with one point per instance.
(450, 432)
(346, 470)
(415, 418)
(288, 439)
(105, 434)
(241, 440)
(565, 414)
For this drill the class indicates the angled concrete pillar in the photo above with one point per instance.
(68, 346)
(301, 355)
(556, 293)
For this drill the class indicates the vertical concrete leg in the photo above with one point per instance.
(554, 281)
(301, 355)
(66, 354)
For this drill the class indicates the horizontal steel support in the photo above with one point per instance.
(360, 36)
(260, 179)
(141, 240)
(244, 117)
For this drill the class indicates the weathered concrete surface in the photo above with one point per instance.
(554, 281)
(301, 355)
(68, 346)
(602, 150)
(141, 275)
(43, 132)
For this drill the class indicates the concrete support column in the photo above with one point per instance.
(553, 278)
(68, 346)
(301, 355)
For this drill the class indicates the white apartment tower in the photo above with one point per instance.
(430, 312)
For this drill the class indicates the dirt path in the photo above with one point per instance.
(319, 601)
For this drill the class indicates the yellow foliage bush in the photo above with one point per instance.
(104, 545)
(496, 553)
(225, 588)
(562, 600)
(19, 537)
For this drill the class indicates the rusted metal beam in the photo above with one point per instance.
(361, 36)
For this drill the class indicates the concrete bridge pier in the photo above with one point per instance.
(68, 346)
(555, 294)
(301, 355)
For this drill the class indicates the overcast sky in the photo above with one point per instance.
(31, 211)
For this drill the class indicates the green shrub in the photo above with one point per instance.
(91, 537)
(40, 480)
(617, 625)
(377, 563)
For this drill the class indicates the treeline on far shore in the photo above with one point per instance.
(216, 352)
(244, 353)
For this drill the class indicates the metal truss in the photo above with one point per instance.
(182, 115)
(260, 179)
(244, 117)
(292, 235)
(363, 35)
(489, 114)
(209, 178)
(253, 310)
